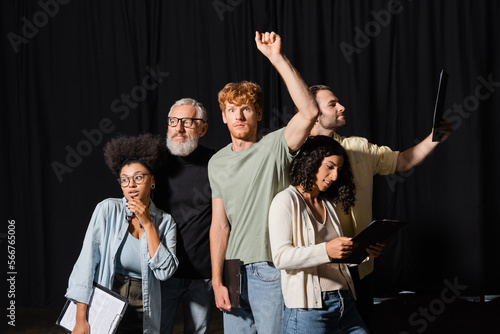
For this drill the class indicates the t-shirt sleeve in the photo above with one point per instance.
(384, 160)
(214, 185)
(279, 144)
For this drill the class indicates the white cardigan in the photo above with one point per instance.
(294, 250)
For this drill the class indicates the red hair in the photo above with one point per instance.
(238, 93)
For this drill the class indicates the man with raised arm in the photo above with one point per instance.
(366, 160)
(244, 177)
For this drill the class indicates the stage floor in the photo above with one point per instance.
(403, 314)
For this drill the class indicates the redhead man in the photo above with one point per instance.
(244, 177)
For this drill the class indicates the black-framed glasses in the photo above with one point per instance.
(124, 181)
(186, 122)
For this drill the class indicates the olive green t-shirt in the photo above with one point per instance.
(247, 181)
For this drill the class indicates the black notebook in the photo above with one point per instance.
(377, 231)
(439, 106)
(232, 280)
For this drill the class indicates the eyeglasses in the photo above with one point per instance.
(186, 122)
(124, 181)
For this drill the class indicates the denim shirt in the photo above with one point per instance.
(97, 261)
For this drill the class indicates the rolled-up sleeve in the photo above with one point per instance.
(82, 277)
(383, 159)
(164, 262)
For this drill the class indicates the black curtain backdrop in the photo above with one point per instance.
(75, 74)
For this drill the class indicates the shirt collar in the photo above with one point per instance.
(337, 137)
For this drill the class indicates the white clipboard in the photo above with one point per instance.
(105, 311)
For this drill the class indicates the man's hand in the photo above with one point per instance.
(222, 298)
(299, 127)
(219, 237)
(340, 247)
(269, 43)
(415, 155)
(445, 129)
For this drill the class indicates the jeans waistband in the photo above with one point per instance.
(335, 293)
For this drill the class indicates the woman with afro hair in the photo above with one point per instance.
(306, 235)
(130, 243)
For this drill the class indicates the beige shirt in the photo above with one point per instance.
(295, 251)
(366, 161)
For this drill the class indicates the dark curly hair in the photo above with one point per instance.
(306, 164)
(146, 149)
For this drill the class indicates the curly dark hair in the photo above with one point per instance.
(146, 149)
(306, 164)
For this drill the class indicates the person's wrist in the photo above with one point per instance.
(277, 59)
(216, 282)
(147, 224)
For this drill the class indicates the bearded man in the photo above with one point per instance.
(186, 195)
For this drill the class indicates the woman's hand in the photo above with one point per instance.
(82, 325)
(376, 249)
(340, 247)
(140, 210)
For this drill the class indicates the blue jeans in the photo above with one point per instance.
(197, 300)
(338, 315)
(261, 301)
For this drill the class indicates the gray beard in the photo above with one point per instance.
(183, 149)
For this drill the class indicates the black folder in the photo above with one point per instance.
(439, 106)
(377, 231)
(232, 280)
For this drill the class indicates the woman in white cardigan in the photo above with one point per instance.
(305, 235)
